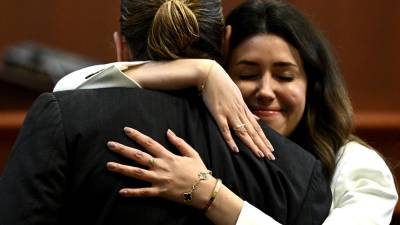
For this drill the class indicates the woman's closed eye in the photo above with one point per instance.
(286, 77)
(248, 76)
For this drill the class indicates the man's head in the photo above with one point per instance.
(170, 29)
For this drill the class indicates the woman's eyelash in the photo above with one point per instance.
(248, 77)
(286, 77)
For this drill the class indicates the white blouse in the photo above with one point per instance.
(363, 191)
(363, 188)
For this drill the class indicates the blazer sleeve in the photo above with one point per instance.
(364, 191)
(32, 188)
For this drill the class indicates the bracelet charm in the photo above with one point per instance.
(188, 196)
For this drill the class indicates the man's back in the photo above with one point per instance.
(57, 173)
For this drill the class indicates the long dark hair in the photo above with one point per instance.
(171, 29)
(327, 121)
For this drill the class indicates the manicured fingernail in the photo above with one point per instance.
(111, 145)
(170, 132)
(272, 157)
(261, 154)
(235, 149)
(271, 147)
(127, 130)
(257, 118)
(123, 192)
(111, 165)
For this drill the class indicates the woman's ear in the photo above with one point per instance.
(121, 47)
(227, 38)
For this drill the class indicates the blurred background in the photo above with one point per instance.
(42, 40)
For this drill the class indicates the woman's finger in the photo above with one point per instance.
(226, 133)
(254, 121)
(241, 131)
(140, 192)
(256, 138)
(181, 145)
(152, 146)
(241, 127)
(137, 155)
(131, 171)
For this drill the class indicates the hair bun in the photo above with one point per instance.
(174, 29)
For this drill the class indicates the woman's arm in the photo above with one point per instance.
(364, 191)
(220, 94)
(172, 176)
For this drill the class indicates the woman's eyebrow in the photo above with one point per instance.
(247, 62)
(285, 64)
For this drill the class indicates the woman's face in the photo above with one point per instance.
(270, 75)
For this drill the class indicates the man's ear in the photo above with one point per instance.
(121, 47)
(227, 39)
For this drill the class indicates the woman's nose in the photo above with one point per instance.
(266, 89)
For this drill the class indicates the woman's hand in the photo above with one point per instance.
(225, 102)
(220, 94)
(170, 175)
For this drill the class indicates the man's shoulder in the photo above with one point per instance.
(288, 152)
(123, 92)
(119, 96)
(297, 164)
(108, 101)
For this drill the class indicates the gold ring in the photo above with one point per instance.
(152, 162)
(241, 128)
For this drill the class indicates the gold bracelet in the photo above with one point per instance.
(188, 196)
(214, 193)
(203, 85)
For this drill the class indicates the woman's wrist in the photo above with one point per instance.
(225, 208)
(213, 195)
(203, 68)
(202, 194)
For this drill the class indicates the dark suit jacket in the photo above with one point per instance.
(56, 173)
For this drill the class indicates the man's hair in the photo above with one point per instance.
(172, 29)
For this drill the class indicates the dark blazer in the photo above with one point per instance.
(56, 173)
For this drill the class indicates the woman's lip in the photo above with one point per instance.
(266, 112)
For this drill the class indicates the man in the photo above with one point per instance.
(57, 175)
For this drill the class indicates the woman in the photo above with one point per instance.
(289, 78)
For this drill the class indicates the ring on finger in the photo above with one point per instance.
(241, 128)
(152, 162)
